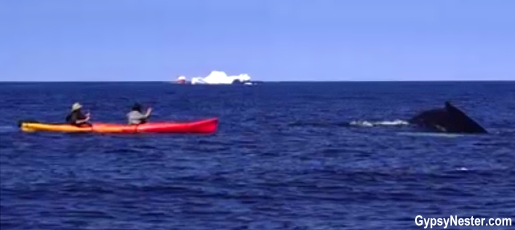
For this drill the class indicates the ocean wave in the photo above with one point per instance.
(379, 123)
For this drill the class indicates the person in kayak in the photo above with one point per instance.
(136, 117)
(76, 117)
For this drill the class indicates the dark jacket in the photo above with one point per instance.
(75, 116)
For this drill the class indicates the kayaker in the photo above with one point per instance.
(76, 117)
(136, 117)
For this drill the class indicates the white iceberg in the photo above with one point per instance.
(221, 78)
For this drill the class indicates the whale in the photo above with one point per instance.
(448, 119)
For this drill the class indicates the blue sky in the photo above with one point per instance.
(284, 40)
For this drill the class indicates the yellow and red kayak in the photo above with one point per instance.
(201, 126)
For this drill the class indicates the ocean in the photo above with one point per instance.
(310, 155)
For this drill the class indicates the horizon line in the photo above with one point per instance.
(290, 81)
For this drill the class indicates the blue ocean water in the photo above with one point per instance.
(286, 156)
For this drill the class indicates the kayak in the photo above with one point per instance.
(204, 126)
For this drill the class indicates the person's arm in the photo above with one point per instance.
(83, 119)
(149, 110)
(135, 116)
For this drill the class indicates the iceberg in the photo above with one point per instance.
(219, 78)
